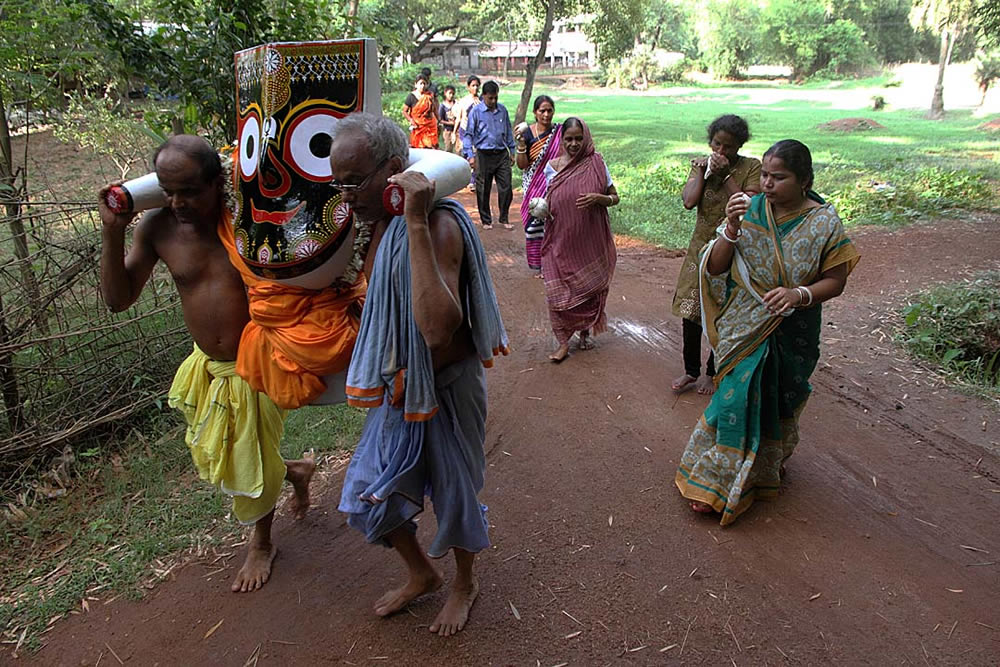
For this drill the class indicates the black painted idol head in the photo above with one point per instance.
(288, 221)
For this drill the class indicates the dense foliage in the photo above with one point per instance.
(957, 326)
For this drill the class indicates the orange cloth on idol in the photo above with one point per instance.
(295, 335)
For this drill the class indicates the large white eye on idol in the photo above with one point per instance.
(307, 148)
(249, 138)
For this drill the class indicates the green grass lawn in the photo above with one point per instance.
(649, 139)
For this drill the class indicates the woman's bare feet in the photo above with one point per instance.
(705, 385)
(453, 616)
(701, 508)
(256, 568)
(300, 473)
(539, 275)
(683, 383)
(585, 342)
(560, 354)
(398, 598)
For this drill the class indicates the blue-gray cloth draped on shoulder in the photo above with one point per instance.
(390, 353)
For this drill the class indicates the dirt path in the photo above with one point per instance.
(860, 561)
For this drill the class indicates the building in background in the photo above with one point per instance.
(447, 54)
(568, 48)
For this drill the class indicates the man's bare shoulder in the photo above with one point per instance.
(156, 225)
(445, 231)
(444, 227)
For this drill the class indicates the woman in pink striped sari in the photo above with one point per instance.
(536, 146)
(578, 252)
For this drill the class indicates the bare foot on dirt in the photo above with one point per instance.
(683, 383)
(705, 385)
(560, 354)
(487, 226)
(585, 342)
(398, 598)
(701, 508)
(256, 569)
(538, 275)
(452, 618)
(300, 474)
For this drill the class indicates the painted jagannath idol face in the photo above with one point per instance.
(287, 219)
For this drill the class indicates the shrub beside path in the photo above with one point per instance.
(883, 545)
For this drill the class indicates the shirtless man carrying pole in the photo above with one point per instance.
(233, 432)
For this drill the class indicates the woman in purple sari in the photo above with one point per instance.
(578, 254)
(536, 145)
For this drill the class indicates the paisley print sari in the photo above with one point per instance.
(764, 361)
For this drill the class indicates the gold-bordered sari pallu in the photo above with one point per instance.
(764, 361)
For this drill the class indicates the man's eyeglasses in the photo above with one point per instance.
(354, 187)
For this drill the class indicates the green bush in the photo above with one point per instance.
(732, 39)
(898, 195)
(674, 73)
(957, 326)
(400, 78)
(640, 69)
(841, 50)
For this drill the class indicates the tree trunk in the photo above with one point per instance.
(510, 50)
(352, 14)
(937, 102)
(8, 380)
(12, 202)
(535, 63)
(8, 377)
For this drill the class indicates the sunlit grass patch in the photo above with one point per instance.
(645, 137)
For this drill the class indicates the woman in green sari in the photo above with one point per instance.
(776, 257)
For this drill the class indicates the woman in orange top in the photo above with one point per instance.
(419, 108)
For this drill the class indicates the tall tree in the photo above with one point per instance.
(553, 9)
(622, 25)
(804, 36)
(988, 18)
(426, 19)
(951, 18)
(616, 27)
(670, 25)
(730, 33)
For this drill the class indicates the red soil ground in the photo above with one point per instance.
(883, 547)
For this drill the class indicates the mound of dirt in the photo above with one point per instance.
(851, 125)
(991, 125)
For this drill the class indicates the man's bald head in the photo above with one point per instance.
(196, 149)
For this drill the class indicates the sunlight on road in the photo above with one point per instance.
(637, 333)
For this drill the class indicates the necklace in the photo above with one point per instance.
(801, 209)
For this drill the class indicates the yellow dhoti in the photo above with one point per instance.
(233, 433)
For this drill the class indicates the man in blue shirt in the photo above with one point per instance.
(488, 145)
